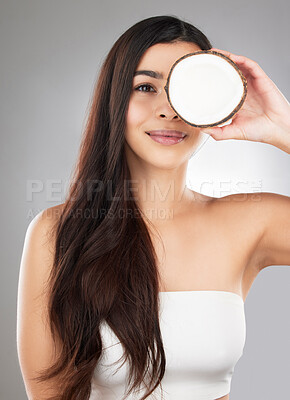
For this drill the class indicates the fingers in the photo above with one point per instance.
(234, 57)
(231, 131)
(250, 67)
(226, 53)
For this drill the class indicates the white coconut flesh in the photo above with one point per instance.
(205, 88)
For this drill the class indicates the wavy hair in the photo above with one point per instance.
(105, 265)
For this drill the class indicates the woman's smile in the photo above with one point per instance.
(166, 140)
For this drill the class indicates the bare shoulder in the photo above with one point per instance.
(236, 218)
(48, 216)
(39, 243)
(241, 219)
(242, 214)
(39, 248)
(255, 200)
(41, 229)
(262, 221)
(233, 207)
(238, 204)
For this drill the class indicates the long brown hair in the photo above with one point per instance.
(105, 265)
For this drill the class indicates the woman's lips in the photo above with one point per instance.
(166, 140)
(167, 132)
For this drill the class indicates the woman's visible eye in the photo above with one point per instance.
(142, 86)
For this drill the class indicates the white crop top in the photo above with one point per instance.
(203, 334)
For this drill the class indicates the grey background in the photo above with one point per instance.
(51, 52)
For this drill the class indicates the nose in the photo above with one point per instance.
(169, 115)
(164, 110)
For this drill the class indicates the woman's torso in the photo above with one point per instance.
(208, 247)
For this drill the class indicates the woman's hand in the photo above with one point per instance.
(265, 114)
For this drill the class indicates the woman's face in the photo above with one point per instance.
(150, 110)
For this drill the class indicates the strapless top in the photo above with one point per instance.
(203, 334)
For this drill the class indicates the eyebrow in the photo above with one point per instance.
(152, 74)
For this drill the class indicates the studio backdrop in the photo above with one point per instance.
(51, 53)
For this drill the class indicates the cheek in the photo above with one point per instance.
(138, 119)
(138, 113)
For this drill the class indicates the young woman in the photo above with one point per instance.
(136, 283)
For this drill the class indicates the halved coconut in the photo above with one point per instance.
(205, 88)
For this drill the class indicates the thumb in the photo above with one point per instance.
(215, 133)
